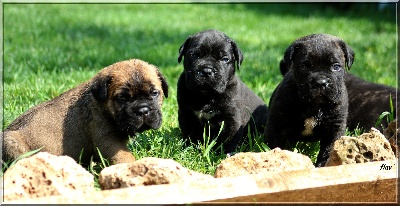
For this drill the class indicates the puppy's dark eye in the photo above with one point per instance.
(192, 55)
(302, 67)
(122, 98)
(225, 59)
(154, 93)
(336, 67)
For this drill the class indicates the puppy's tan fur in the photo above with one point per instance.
(76, 120)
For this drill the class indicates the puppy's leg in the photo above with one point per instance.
(281, 130)
(114, 150)
(122, 156)
(232, 133)
(14, 145)
(328, 134)
(323, 155)
(280, 137)
(191, 127)
(231, 143)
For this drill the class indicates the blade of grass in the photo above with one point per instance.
(24, 156)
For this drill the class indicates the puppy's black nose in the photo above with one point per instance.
(205, 72)
(142, 111)
(322, 82)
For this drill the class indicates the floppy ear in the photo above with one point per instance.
(348, 54)
(182, 49)
(288, 56)
(283, 67)
(164, 83)
(99, 88)
(237, 53)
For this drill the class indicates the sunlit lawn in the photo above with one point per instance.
(50, 48)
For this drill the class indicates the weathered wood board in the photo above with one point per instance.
(362, 183)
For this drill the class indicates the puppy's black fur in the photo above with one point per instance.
(310, 103)
(367, 101)
(209, 93)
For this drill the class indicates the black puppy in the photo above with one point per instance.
(210, 94)
(310, 103)
(367, 101)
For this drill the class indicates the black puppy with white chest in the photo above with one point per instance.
(210, 95)
(367, 101)
(311, 102)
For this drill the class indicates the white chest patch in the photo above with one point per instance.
(309, 125)
(204, 115)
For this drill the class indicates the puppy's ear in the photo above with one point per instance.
(183, 48)
(283, 67)
(164, 83)
(99, 88)
(237, 53)
(288, 57)
(348, 54)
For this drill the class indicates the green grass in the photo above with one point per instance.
(50, 48)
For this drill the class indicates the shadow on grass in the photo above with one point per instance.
(100, 45)
(117, 44)
(374, 12)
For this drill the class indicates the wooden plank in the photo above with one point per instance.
(366, 182)
(377, 191)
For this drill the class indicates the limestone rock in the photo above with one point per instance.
(146, 171)
(44, 174)
(367, 147)
(390, 133)
(255, 163)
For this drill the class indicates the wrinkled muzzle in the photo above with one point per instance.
(320, 89)
(205, 79)
(139, 118)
